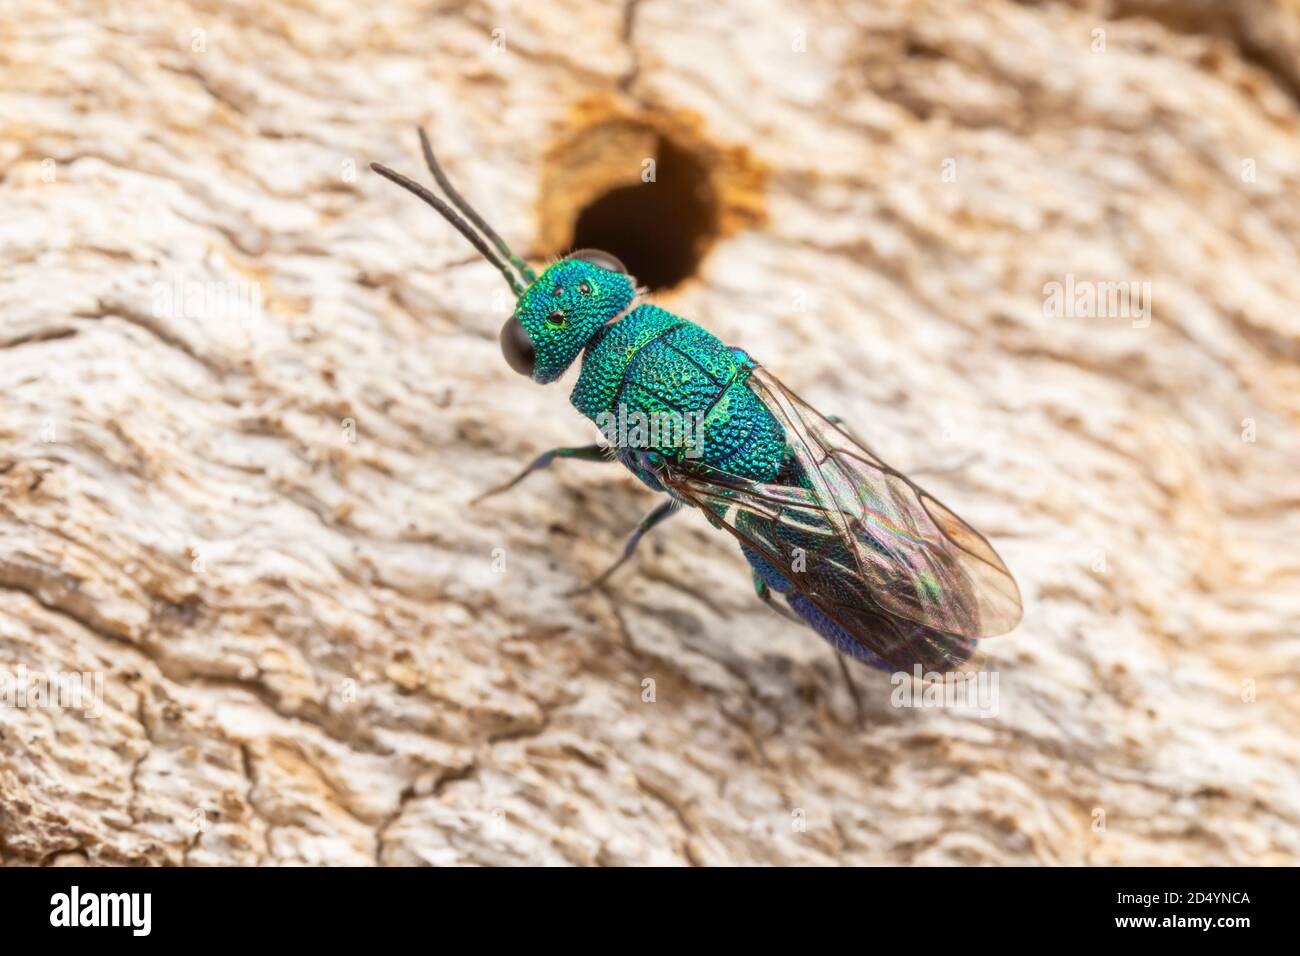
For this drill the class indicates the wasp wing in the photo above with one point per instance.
(880, 556)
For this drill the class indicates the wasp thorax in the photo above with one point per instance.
(560, 312)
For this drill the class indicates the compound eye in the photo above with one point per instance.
(600, 258)
(517, 347)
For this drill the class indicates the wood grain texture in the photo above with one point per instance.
(247, 390)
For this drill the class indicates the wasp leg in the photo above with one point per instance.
(583, 453)
(937, 470)
(765, 595)
(664, 511)
(853, 688)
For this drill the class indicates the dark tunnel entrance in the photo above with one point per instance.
(660, 228)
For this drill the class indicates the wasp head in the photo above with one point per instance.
(559, 313)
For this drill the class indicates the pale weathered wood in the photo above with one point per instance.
(256, 528)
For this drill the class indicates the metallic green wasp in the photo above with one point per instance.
(859, 552)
